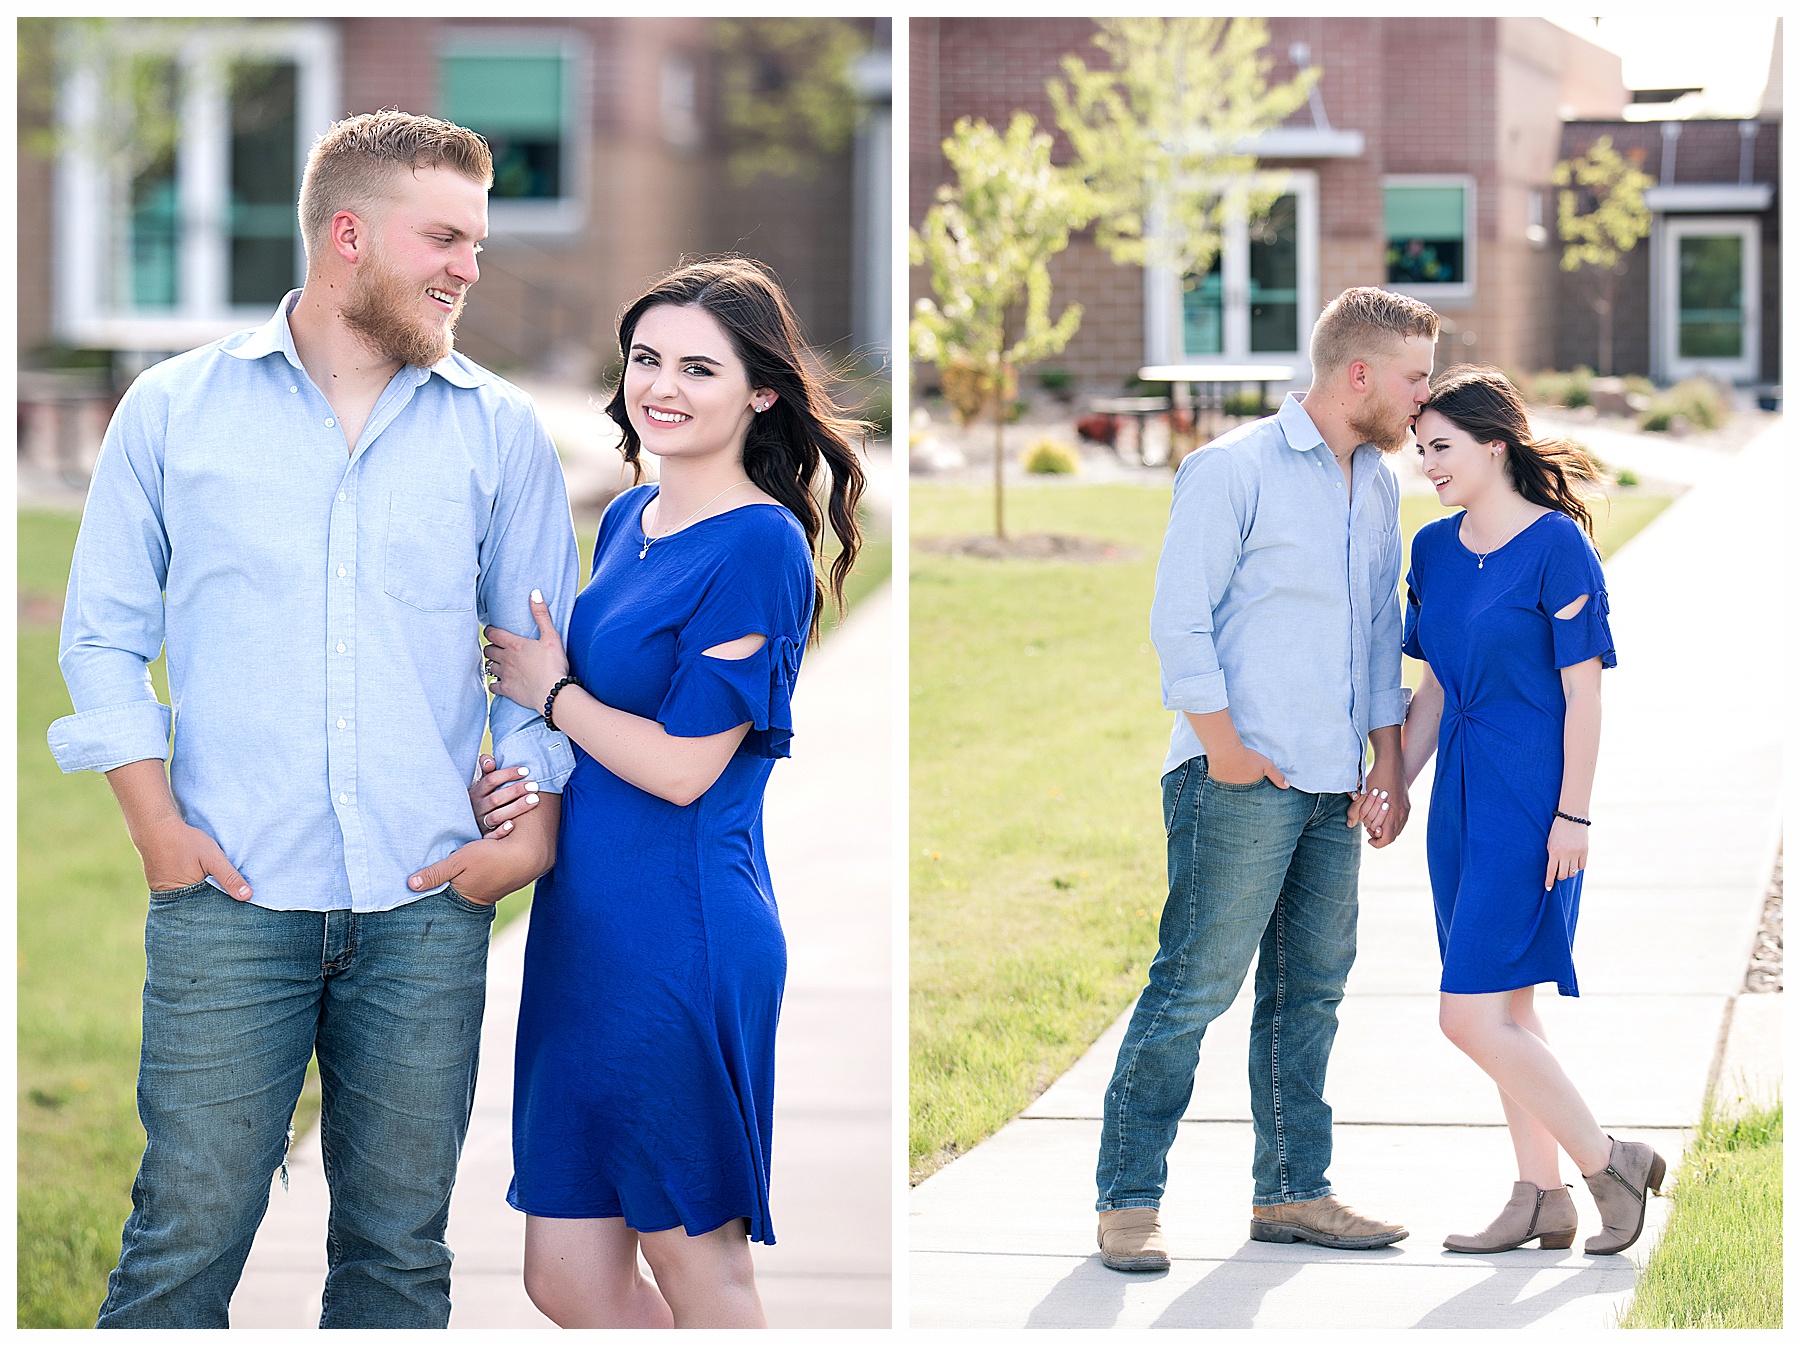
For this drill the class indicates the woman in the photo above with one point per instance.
(655, 962)
(1507, 607)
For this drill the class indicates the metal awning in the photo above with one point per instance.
(1709, 196)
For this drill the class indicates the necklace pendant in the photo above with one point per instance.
(1480, 563)
(643, 551)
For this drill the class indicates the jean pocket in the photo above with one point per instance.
(1174, 790)
(430, 558)
(176, 894)
(456, 899)
(1236, 787)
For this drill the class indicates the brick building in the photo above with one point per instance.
(1423, 162)
(1703, 294)
(611, 163)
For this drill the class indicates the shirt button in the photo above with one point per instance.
(293, 387)
(343, 799)
(342, 496)
(341, 572)
(340, 647)
(340, 724)
(329, 422)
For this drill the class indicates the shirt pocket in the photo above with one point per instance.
(430, 559)
(1379, 550)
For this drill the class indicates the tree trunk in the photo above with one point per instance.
(1609, 296)
(999, 455)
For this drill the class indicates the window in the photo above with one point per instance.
(516, 103)
(1429, 234)
(1259, 297)
(175, 214)
(519, 90)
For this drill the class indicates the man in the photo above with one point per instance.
(1277, 625)
(313, 518)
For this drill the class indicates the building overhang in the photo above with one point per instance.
(1709, 196)
(1304, 142)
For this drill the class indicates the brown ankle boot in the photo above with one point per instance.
(1532, 1213)
(1618, 1192)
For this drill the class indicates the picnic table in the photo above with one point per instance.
(1215, 379)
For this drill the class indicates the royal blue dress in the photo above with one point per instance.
(1489, 632)
(645, 1068)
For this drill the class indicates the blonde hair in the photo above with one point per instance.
(1364, 322)
(353, 164)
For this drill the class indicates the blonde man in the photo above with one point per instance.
(312, 519)
(1277, 625)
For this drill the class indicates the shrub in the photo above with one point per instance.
(1052, 457)
(1626, 477)
(1057, 381)
(1702, 402)
(1242, 404)
(1575, 392)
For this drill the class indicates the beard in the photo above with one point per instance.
(381, 309)
(1383, 423)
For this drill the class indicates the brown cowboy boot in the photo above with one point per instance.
(1132, 1239)
(1324, 1220)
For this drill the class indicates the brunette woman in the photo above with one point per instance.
(1507, 607)
(655, 963)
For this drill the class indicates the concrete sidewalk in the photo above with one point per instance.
(1687, 815)
(828, 825)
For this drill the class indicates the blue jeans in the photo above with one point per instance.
(1252, 870)
(236, 1000)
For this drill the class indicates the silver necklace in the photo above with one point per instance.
(1481, 556)
(645, 549)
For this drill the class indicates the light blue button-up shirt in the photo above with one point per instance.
(320, 608)
(1277, 596)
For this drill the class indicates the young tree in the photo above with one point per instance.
(1611, 187)
(988, 243)
(1162, 136)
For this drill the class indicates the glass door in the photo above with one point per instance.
(1258, 299)
(1709, 311)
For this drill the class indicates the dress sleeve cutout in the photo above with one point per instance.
(1571, 572)
(710, 695)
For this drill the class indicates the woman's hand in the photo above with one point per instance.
(1568, 851)
(521, 669)
(499, 795)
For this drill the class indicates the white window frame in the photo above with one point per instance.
(1666, 297)
(567, 214)
(1163, 324)
(92, 229)
(1463, 289)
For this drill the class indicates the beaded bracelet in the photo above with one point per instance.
(550, 700)
(1585, 822)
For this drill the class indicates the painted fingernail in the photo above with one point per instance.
(531, 799)
(536, 597)
(506, 826)
(532, 786)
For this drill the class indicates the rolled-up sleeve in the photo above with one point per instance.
(113, 615)
(1200, 553)
(530, 544)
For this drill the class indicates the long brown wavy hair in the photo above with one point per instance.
(786, 443)
(1556, 473)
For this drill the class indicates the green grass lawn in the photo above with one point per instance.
(81, 966)
(1718, 1263)
(1037, 871)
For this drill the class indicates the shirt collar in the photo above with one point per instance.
(1297, 426)
(276, 336)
